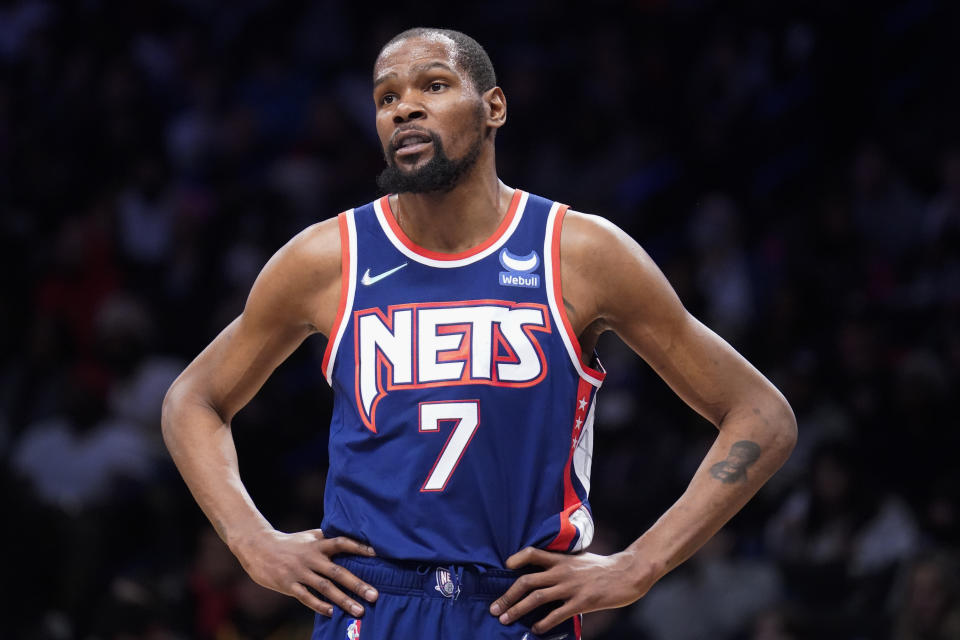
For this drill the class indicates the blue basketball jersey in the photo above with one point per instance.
(462, 427)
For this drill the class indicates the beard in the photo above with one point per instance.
(439, 174)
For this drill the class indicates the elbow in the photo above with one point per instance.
(168, 410)
(186, 405)
(174, 410)
(785, 430)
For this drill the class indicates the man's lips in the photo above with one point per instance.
(411, 142)
(413, 148)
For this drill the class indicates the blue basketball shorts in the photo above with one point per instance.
(428, 602)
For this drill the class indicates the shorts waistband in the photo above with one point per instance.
(440, 581)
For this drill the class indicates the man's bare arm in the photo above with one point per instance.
(294, 296)
(757, 429)
(610, 283)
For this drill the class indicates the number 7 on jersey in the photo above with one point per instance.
(466, 416)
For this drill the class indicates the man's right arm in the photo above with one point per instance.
(294, 296)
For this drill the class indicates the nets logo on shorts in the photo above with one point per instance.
(353, 631)
(446, 585)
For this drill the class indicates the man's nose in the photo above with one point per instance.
(407, 111)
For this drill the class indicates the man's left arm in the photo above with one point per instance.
(609, 282)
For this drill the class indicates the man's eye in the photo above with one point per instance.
(437, 86)
(387, 99)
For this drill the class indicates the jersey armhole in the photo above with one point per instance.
(551, 255)
(348, 282)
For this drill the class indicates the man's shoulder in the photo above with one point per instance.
(599, 260)
(308, 258)
(302, 278)
(318, 243)
(586, 234)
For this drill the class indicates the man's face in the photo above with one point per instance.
(430, 119)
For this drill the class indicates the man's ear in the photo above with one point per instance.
(496, 106)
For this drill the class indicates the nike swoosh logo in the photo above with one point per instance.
(368, 280)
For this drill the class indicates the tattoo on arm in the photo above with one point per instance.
(734, 468)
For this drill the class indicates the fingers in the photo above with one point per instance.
(329, 590)
(554, 618)
(347, 580)
(534, 590)
(534, 556)
(342, 544)
(534, 600)
(521, 587)
(326, 577)
(313, 602)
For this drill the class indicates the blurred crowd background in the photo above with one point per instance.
(794, 168)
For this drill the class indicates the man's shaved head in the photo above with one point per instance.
(469, 55)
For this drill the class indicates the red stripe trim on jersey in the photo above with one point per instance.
(558, 294)
(571, 501)
(577, 626)
(344, 292)
(435, 255)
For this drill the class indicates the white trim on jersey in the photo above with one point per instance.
(583, 522)
(449, 264)
(554, 303)
(583, 454)
(338, 331)
(582, 462)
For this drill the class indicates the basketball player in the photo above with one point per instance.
(462, 315)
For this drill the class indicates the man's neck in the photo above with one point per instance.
(456, 220)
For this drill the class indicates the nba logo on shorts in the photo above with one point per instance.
(353, 631)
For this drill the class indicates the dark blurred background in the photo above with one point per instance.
(794, 168)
